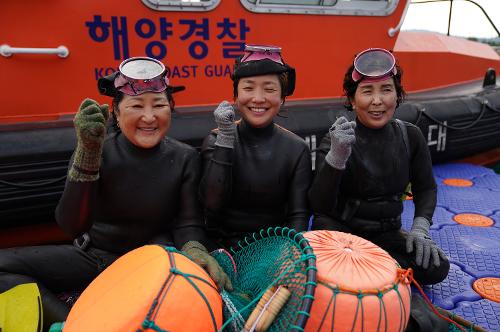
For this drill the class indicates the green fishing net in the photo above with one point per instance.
(272, 257)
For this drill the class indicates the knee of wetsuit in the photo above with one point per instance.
(10, 280)
(433, 274)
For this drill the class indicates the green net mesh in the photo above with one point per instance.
(276, 256)
(453, 328)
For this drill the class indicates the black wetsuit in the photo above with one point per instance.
(366, 198)
(262, 182)
(142, 196)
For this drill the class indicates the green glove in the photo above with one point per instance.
(419, 240)
(90, 126)
(200, 256)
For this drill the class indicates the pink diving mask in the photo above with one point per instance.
(261, 52)
(141, 74)
(374, 64)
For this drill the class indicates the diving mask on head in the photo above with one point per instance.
(261, 52)
(141, 74)
(262, 60)
(374, 64)
(135, 76)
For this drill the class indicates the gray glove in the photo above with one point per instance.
(420, 240)
(90, 126)
(224, 117)
(200, 256)
(342, 138)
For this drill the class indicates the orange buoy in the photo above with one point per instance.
(150, 287)
(360, 286)
(488, 288)
(473, 220)
(455, 182)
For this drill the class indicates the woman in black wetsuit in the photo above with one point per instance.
(364, 167)
(256, 174)
(134, 187)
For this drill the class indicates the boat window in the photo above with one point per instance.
(325, 7)
(182, 5)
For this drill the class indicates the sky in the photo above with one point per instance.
(467, 19)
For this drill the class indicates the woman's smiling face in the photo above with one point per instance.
(375, 102)
(144, 119)
(259, 99)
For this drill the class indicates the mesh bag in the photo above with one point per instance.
(270, 258)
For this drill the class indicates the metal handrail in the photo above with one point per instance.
(392, 31)
(451, 6)
(7, 51)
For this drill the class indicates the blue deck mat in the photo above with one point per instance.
(475, 249)
(441, 216)
(484, 313)
(407, 215)
(455, 288)
(496, 219)
(468, 200)
(474, 252)
(463, 171)
(490, 181)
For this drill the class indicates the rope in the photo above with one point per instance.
(149, 322)
(402, 310)
(382, 310)
(41, 184)
(150, 325)
(409, 274)
(157, 304)
(470, 125)
(332, 299)
(239, 321)
(360, 303)
(334, 308)
(484, 104)
(360, 294)
(212, 315)
(419, 116)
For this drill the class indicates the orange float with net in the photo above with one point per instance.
(360, 286)
(151, 288)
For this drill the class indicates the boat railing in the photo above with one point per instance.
(7, 51)
(451, 11)
(392, 31)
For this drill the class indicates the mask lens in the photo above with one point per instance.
(140, 75)
(261, 52)
(141, 68)
(374, 63)
(142, 86)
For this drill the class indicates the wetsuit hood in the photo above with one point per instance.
(264, 67)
